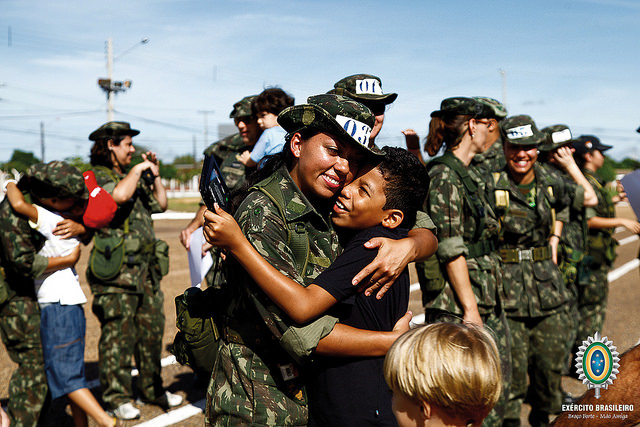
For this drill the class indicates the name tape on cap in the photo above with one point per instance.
(518, 132)
(356, 129)
(368, 87)
(561, 136)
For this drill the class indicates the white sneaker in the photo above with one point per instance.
(127, 411)
(171, 399)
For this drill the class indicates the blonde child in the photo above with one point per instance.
(443, 374)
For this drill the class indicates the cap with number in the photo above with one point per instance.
(113, 130)
(364, 88)
(336, 115)
(557, 136)
(242, 108)
(588, 143)
(521, 130)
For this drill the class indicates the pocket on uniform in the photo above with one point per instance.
(512, 286)
(550, 285)
(108, 307)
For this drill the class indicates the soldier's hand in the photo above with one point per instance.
(564, 157)
(68, 228)
(473, 316)
(185, 237)
(631, 225)
(393, 256)
(221, 229)
(206, 247)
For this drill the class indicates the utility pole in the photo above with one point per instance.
(194, 150)
(503, 73)
(42, 141)
(109, 85)
(206, 127)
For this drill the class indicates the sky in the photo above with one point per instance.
(575, 62)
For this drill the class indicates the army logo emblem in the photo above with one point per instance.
(597, 363)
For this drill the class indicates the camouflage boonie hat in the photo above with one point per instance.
(113, 130)
(462, 105)
(58, 178)
(336, 115)
(242, 108)
(364, 88)
(587, 143)
(557, 136)
(499, 110)
(521, 130)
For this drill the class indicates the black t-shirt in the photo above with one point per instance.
(352, 391)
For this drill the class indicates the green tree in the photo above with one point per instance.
(21, 160)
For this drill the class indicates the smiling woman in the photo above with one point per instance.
(533, 207)
(326, 144)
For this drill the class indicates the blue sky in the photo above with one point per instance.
(566, 61)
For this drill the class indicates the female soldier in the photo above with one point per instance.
(535, 296)
(467, 227)
(256, 377)
(128, 301)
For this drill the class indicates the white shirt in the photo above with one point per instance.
(61, 286)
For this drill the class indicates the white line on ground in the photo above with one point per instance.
(175, 416)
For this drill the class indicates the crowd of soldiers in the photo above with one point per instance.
(524, 227)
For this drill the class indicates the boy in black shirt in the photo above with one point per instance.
(381, 202)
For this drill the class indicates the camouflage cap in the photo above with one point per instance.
(113, 130)
(59, 178)
(587, 143)
(242, 108)
(462, 105)
(499, 110)
(556, 136)
(336, 115)
(364, 88)
(521, 130)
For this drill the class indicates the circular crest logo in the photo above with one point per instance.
(597, 363)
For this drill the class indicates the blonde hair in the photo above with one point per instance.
(455, 367)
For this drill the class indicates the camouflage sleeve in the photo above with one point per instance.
(265, 229)
(444, 204)
(578, 198)
(423, 220)
(154, 205)
(19, 250)
(590, 213)
(564, 200)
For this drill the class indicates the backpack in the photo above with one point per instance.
(198, 312)
(432, 279)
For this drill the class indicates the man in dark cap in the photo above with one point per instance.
(21, 264)
(227, 152)
(127, 264)
(367, 90)
(492, 157)
(593, 285)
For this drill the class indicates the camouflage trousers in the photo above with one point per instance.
(243, 392)
(132, 327)
(28, 390)
(497, 325)
(593, 292)
(539, 348)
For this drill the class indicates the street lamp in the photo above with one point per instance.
(109, 85)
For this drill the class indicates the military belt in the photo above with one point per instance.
(539, 253)
(483, 247)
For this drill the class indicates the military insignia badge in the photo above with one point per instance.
(597, 363)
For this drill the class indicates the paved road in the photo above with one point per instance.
(622, 326)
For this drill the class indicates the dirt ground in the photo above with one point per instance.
(622, 326)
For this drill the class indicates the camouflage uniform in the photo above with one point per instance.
(257, 394)
(535, 296)
(593, 285)
(130, 306)
(20, 313)
(448, 204)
